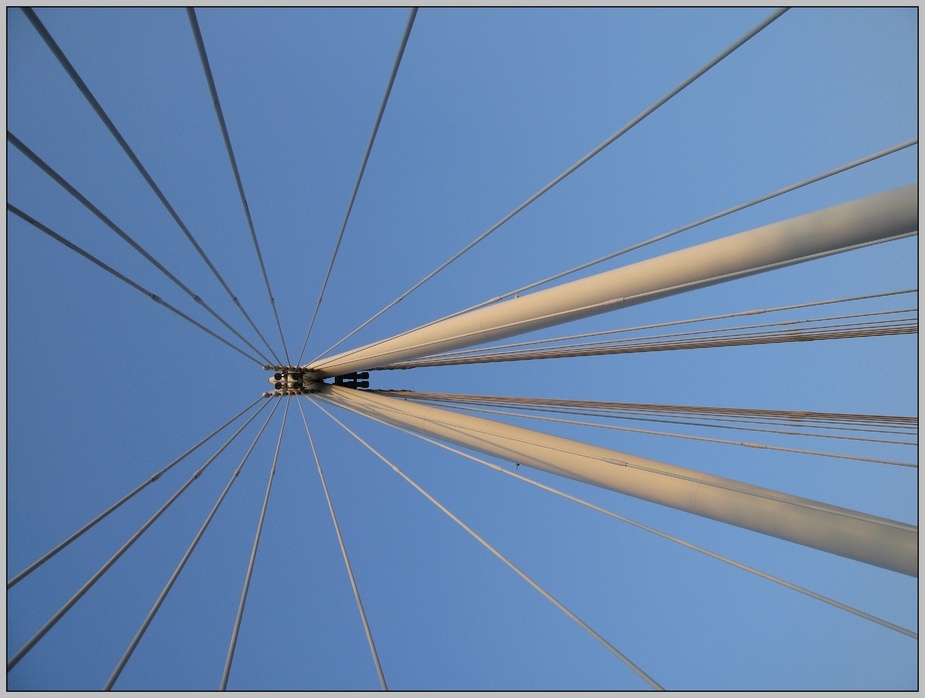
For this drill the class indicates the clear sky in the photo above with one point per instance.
(105, 387)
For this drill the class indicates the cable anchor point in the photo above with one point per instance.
(293, 380)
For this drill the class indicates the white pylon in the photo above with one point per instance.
(872, 219)
(889, 544)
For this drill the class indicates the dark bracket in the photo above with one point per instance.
(353, 380)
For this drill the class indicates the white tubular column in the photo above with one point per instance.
(889, 544)
(875, 218)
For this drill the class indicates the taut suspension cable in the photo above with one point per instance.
(51, 172)
(189, 551)
(253, 558)
(343, 550)
(356, 186)
(153, 296)
(77, 534)
(725, 337)
(649, 110)
(98, 108)
(115, 557)
(662, 534)
(234, 167)
(523, 575)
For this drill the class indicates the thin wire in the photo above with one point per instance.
(343, 550)
(669, 339)
(887, 328)
(98, 108)
(584, 626)
(735, 422)
(191, 13)
(550, 405)
(710, 318)
(690, 436)
(356, 186)
(51, 172)
(74, 536)
(740, 330)
(674, 539)
(176, 573)
(775, 15)
(112, 560)
(770, 416)
(157, 299)
(250, 565)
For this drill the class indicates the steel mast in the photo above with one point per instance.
(876, 218)
(878, 541)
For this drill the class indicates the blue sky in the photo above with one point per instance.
(105, 387)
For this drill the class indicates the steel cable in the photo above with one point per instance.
(98, 108)
(189, 551)
(356, 186)
(64, 184)
(816, 420)
(343, 550)
(667, 536)
(561, 316)
(697, 223)
(673, 323)
(86, 527)
(735, 336)
(253, 558)
(204, 59)
(523, 575)
(691, 437)
(153, 296)
(770, 337)
(662, 236)
(115, 557)
(700, 72)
